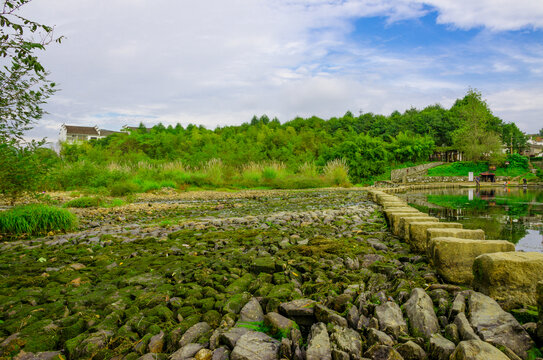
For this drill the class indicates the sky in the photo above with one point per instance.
(217, 62)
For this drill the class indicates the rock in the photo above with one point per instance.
(509, 278)
(465, 332)
(204, 354)
(194, 332)
(220, 354)
(451, 333)
(299, 307)
(325, 315)
(318, 346)
(440, 348)
(418, 236)
(94, 342)
(382, 352)
(347, 340)
(453, 257)
(411, 351)
(47, 355)
(496, 326)
(148, 356)
(390, 319)
(377, 337)
(339, 303)
(458, 305)
(251, 312)
(353, 317)
(156, 344)
(231, 337)
(186, 352)
(264, 265)
(286, 348)
(256, 346)
(477, 350)
(420, 312)
(279, 324)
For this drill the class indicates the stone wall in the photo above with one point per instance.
(399, 174)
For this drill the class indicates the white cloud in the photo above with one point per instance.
(217, 62)
(497, 15)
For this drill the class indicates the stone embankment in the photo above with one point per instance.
(300, 276)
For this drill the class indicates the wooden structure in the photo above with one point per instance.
(488, 176)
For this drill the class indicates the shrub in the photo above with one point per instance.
(84, 202)
(123, 189)
(36, 219)
(215, 171)
(308, 169)
(269, 174)
(336, 172)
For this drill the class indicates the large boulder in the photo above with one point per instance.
(496, 326)
(390, 319)
(318, 346)
(418, 236)
(477, 350)
(403, 229)
(509, 278)
(256, 346)
(394, 213)
(420, 312)
(453, 257)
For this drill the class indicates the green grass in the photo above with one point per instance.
(463, 168)
(36, 219)
(84, 202)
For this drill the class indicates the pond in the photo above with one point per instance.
(504, 213)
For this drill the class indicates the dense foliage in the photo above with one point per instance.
(265, 152)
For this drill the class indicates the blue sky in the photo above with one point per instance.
(216, 62)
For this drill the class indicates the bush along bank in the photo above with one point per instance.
(296, 275)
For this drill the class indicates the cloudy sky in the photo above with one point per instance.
(218, 62)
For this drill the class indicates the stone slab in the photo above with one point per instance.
(477, 234)
(510, 278)
(405, 221)
(453, 258)
(397, 217)
(418, 235)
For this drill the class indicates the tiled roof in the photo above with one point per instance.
(85, 130)
(104, 132)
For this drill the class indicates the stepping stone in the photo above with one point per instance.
(418, 234)
(453, 258)
(509, 277)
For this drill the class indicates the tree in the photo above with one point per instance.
(474, 138)
(541, 132)
(24, 87)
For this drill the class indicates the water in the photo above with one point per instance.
(504, 213)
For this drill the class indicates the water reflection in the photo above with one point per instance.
(505, 213)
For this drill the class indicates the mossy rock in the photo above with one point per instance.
(188, 322)
(282, 292)
(212, 317)
(263, 265)
(162, 312)
(186, 311)
(206, 304)
(524, 316)
(41, 336)
(241, 284)
(236, 303)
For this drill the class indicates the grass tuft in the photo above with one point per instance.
(84, 202)
(36, 219)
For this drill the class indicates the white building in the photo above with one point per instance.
(72, 133)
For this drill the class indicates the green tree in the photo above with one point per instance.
(474, 138)
(24, 87)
